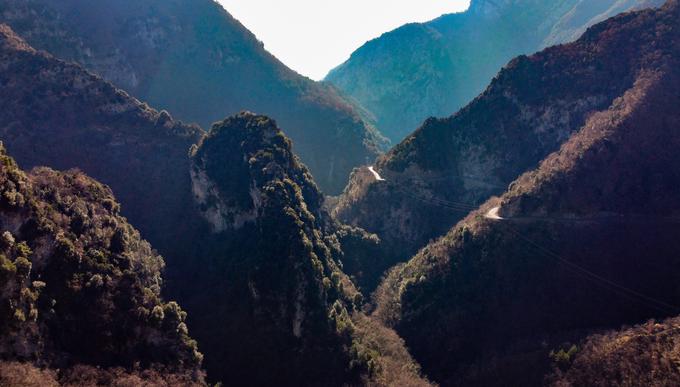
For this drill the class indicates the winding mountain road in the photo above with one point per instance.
(375, 174)
(493, 214)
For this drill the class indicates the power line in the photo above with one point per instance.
(621, 290)
(450, 205)
(609, 284)
(651, 301)
(478, 178)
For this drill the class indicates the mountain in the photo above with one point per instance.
(272, 310)
(194, 59)
(449, 166)
(251, 253)
(435, 68)
(57, 114)
(585, 241)
(80, 290)
(642, 356)
(280, 306)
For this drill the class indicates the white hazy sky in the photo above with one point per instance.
(314, 36)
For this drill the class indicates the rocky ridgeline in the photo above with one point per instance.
(422, 70)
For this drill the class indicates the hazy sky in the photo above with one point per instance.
(313, 36)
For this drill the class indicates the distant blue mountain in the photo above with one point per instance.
(434, 68)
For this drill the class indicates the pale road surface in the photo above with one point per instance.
(375, 174)
(493, 214)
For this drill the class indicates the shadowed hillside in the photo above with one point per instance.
(251, 253)
(79, 289)
(640, 356)
(194, 59)
(275, 304)
(585, 241)
(451, 165)
(57, 114)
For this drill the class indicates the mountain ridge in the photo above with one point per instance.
(236, 214)
(435, 68)
(195, 60)
(578, 244)
(458, 162)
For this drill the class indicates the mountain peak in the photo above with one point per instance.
(410, 74)
(228, 185)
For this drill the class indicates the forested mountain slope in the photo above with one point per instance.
(643, 355)
(57, 114)
(435, 68)
(451, 165)
(588, 240)
(194, 59)
(80, 290)
(275, 304)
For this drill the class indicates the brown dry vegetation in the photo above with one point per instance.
(78, 285)
(390, 362)
(15, 374)
(586, 234)
(451, 165)
(645, 355)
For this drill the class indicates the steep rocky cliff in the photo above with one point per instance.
(451, 165)
(275, 304)
(275, 290)
(585, 241)
(79, 288)
(194, 59)
(435, 68)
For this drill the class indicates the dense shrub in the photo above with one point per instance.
(79, 283)
(644, 355)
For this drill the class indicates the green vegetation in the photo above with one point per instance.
(286, 308)
(73, 294)
(251, 254)
(587, 241)
(563, 358)
(262, 269)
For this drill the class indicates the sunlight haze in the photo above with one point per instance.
(313, 36)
